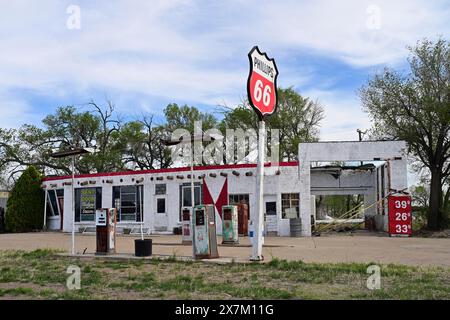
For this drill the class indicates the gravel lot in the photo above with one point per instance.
(359, 247)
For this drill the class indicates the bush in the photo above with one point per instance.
(25, 206)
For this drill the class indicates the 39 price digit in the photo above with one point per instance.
(401, 204)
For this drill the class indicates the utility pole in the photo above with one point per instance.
(361, 133)
(72, 152)
(360, 136)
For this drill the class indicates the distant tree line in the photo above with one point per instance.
(137, 144)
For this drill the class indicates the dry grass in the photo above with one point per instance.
(41, 274)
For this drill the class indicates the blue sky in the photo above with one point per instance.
(143, 55)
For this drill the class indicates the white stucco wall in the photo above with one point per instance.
(293, 178)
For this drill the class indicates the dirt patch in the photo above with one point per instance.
(358, 247)
(433, 234)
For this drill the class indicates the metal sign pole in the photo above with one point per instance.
(258, 221)
(192, 193)
(73, 204)
(141, 211)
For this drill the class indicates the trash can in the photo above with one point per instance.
(143, 247)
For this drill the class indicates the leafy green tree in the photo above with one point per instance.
(25, 206)
(420, 195)
(33, 145)
(184, 117)
(415, 107)
(297, 118)
(143, 147)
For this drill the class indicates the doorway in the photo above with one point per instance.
(270, 214)
(161, 216)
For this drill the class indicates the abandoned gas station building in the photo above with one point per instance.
(154, 198)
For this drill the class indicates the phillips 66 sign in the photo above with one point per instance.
(262, 83)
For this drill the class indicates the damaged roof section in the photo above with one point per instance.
(338, 168)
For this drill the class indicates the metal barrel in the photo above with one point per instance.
(295, 227)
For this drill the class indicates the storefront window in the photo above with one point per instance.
(289, 205)
(87, 200)
(128, 201)
(55, 202)
(185, 195)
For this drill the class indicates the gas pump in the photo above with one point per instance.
(230, 225)
(105, 222)
(186, 215)
(243, 219)
(204, 238)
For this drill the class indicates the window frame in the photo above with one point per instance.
(291, 200)
(51, 210)
(97, 205)
(187, 185)
(160, 185)
(137, 200)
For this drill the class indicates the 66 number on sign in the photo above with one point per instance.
(259, 93)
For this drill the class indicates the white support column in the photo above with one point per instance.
(399, 174)
(370, 209)
(147, 205)
(370, 197)
(45, 209)
(305, 194)
(258, 218)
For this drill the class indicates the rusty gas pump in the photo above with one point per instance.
(105, 222)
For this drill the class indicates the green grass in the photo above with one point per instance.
(41, 274)
(17, 292)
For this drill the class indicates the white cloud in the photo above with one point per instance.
(339, 28)
(343, 115)
(196, 51)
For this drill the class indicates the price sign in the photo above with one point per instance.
(400, 218)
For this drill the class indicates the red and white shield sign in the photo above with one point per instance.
(262, 83)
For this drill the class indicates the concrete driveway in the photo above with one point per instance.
(332, 248)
